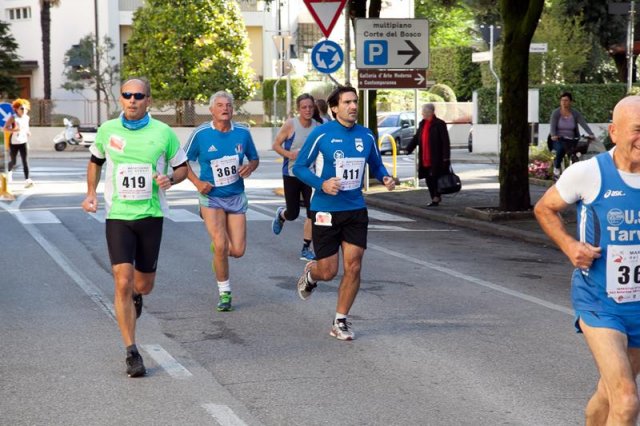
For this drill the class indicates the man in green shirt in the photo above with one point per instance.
(138, 151)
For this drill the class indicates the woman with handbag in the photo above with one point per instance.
(435, 151)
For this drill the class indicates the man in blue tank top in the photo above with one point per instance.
(605, 287)
(339, 150)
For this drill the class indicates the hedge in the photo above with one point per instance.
(452, 66)
(594, 101)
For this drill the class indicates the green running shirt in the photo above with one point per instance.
(133, 159)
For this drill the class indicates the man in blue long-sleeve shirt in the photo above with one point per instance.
(338, 152)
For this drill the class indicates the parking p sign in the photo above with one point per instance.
(392, 43)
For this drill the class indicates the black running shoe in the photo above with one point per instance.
(137, 303)
(135, 366)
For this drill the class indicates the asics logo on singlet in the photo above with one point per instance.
(334, 140)
(212, 149)
(611, 193)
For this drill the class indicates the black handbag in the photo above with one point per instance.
(449, 183)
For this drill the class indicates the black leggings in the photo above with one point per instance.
(293, 187)
(13, 154)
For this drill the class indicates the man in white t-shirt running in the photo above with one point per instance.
(605, 287)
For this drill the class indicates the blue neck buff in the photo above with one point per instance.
(134, 124)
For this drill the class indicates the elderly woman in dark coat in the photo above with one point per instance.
(435, 151)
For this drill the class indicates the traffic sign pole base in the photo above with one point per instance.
(4, 191)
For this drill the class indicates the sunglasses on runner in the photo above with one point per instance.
(136, 96)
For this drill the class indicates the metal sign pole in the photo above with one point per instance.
(365, 112)
(416, 181)
(630, 35)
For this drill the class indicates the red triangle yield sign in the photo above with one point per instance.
(325, 13)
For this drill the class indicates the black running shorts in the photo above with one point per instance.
(135, 241)
(348, 226)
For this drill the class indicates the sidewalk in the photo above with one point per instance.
(480, 189)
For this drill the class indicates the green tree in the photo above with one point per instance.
(569, 47)
(9, 65)
(519, 23)
(450, 22)
(610, 30)
(189, 49)
(80, 69)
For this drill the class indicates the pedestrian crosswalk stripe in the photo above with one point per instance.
(387, 217)
(253, 215)
(37, 217)
(182, 215)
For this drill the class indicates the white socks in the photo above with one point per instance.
(224, 286)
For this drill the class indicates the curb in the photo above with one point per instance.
(478, 225)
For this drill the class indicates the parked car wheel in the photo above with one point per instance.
(470, 141)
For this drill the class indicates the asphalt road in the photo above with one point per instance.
(452, 327)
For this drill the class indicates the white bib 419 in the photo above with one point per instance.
(134, 181)
(623, 273)
(350, 170)
(225, 170)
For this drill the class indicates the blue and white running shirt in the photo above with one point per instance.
(220, 155)
(338, 151)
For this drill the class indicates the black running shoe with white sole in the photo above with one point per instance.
(135, 366)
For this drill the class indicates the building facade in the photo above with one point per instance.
(72, 20)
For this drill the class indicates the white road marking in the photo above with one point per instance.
(36, 216)
(253, 215)
(387, 217)
(223, 415)
(182, 215)
(99, 216)
(384, 228)
(166, 361)
(474, 280)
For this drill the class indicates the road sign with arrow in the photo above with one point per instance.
(392, 43)
(393, 79)
(327, 56)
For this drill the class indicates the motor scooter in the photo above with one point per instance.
(74, 135)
